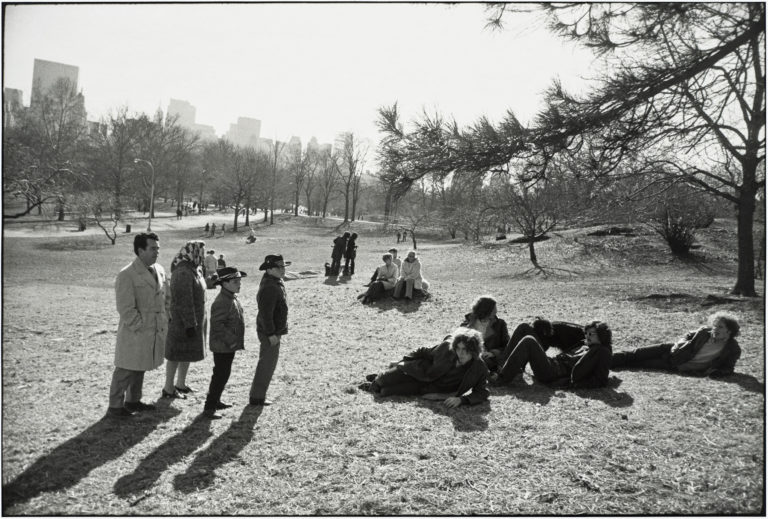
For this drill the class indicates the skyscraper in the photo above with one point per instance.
(45, 74)
(183, 111)
(245, 132)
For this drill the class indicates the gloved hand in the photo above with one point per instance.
(190, 332)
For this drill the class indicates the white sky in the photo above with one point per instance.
(302, 69)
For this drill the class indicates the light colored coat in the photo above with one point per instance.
(412, 270)
(387, 274)
(143, 307)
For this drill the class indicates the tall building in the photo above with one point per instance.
(12, 107)
(245, 132)
(293, 148)
(45, 74)
(183, 111)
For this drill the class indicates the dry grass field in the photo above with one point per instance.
(650, 443)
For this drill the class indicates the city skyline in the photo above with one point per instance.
(310, 70)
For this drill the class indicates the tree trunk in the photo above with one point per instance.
(745, 279)
(237, 213)
(388, 203)
(532, 253)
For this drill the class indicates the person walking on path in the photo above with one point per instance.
(188, 329)
(227, 336)
(210, 265)
(221, 263)
(142, 297)
(271, 325)
(213, 229)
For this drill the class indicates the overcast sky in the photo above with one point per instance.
(302, 69)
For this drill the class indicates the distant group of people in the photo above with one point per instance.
(404, 278)
(210, 229)
(403, 234)
(343, 247)
(165, 320)
(480, 350)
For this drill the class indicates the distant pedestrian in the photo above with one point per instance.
(221, 263)
(207, 228)
(188, 328)
(222, 228)
(142, 296)
(398, 236)
(405, 235)
(350, 254)
(213, 229)
(178, 213)
(271, 325)
(210, 265)
(339, 247)
(226, 337)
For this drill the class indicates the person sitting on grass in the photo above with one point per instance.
(451, 371)
(585, 367)
(395, 261)
(410, 278)
(710, 351)
(493, 329)
(386, 275)
(227, 335)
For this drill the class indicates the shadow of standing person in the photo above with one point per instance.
(200, 473)
(74, 459)
(173, 450)
(465, 419)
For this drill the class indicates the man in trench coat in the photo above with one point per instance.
(143, 297)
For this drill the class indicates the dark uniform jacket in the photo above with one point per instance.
(227, 323)
(272, 318)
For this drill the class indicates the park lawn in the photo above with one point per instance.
(650, 443)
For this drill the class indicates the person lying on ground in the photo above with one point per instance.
(585, 367)
(386, 275)
(710, 351)
(451, 370)
(562, 335)
(493, 329)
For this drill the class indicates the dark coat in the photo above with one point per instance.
(566, 336)
(272, 318)
(588, 366)
(187, 311)
(351, 251)
(428, 364)
(500, 337)
(227, 323)
(687, 348)
(339, 246)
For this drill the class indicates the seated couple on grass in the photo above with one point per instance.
(452, 371)
(579, 365)
(405, 280)
(709, 351)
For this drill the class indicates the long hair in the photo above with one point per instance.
(729, 320)
(604, 333)
(471, 339)
(483, 306)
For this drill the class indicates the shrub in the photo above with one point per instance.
(680, 231)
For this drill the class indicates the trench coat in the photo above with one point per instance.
(143, 305)
(187, 311)
(412, 270)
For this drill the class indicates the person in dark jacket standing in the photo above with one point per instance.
(585, 367)
(227, 336)
(350, 254)
(271, 325)
(711, 351)
(339, 247)
(451, 371)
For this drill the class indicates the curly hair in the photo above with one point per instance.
(729, 320)
(472, 339)
(542, 327)
(483, 306)
(604, 333)
(386, 256)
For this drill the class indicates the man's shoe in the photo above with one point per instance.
(139, 406)
(186, 389)
(259, 401)
(175, 394)
(211, 414)
(371, 377)
(222, 405)
(119, 412)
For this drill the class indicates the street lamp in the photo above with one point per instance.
(151, 192)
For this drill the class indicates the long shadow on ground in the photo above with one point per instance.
(539, 393)
(74, 459)
(747, 382)
(465, 418)
(201, 473)
(173, 450)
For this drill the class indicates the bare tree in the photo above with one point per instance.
(350, 169)
(328, 176)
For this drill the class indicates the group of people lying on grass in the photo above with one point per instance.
(480, 350)
(404, 278)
